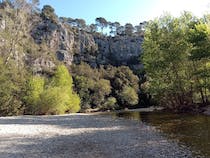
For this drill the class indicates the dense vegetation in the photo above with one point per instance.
(51, 97)
(22, 91)
(176, 59)
(107, 87)
(61, 89)
(105, 27)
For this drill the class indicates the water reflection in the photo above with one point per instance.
(190, 130)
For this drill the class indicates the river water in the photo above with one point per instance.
(189, 130)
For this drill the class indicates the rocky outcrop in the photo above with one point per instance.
(63, 40)
(120, 50)
(75, 45)
(42, 65)
(57, 38)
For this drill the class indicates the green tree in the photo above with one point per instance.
(199, 35)
(81, 24)
(101, 90)
(15, 27)
(12, 83)
(120, 30)
(48, 13)
(35, 88)
(57, 100)
(139, 29)
(128, 96)
(176, 59)
(54, 97)
(61, 88)
(165, 58)
(129, 29)
(110, 104)
(124, 77)
(84, 87)
(62, 78)
(102, 23)
(119, 78)
(113, 28)
(93, 28)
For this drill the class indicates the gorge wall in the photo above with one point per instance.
(72, 45)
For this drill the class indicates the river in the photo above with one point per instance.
(189, 130)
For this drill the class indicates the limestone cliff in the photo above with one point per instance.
(119, 50)
(73, 45)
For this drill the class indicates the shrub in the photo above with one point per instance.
(34, 89)
(129, 96)
(110, 104)
(57, 97)
(12, 83)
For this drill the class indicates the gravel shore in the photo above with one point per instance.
(83, 136)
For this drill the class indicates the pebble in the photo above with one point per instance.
(84, 135)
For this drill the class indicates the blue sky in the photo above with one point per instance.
(123, 11)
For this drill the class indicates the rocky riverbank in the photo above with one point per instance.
(83, 135)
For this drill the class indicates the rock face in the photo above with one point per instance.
(120, 50)
(57, 38)
(74, 45)
(41, 64)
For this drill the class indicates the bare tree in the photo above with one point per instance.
(14, 30)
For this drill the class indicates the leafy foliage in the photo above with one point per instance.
(110, 103)
(48, 13)
(176, 51)
(176, 58)
(35, 88)
(25, 89)
(12, 82)
(129, 96)
(103, 87)
(55, 97)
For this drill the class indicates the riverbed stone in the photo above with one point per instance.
(84, 135)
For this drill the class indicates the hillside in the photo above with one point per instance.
(105, 67)
(74, 45)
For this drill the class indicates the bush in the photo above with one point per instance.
(97, 86)
(12, 83)
(110, 104)
(57, 97)
(34, 89)
(62, 78)
(101, 90)
(129, 96)
(74, 104)
(57, 100)
(52, 101)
